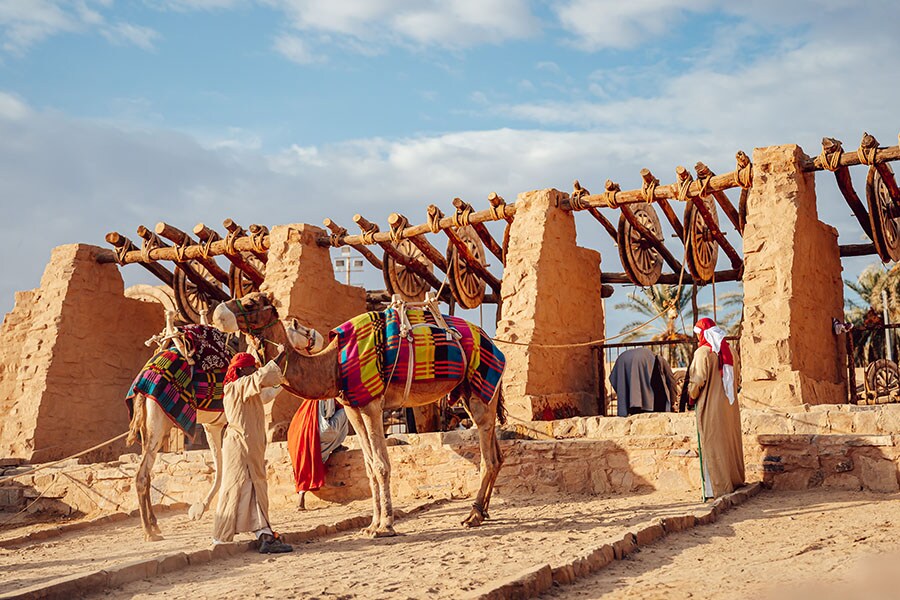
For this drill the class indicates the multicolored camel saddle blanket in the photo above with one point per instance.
(373, 354)
(181, 389)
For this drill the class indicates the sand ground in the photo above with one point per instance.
(774, 546)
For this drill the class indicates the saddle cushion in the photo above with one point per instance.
(178, 388)
(373, 353)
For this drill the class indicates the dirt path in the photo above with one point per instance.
(435, 558)
(810, 544)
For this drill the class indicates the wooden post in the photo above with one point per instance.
(119, 241)
(489, 242)
(650, 184)
(736, 260)
(182, 239)
(206, 234)
(340, 232)
(211, 291)
(237, 231)
(727, 207)
(398, 221)
(830, 146)
(463, 250)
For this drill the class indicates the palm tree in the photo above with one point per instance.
(869, 285)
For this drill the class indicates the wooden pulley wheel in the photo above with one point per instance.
(400, 280)
(190, 300)
(466, 285)
(239, 282)
(640, 259)
(702, 247)
(883, 215)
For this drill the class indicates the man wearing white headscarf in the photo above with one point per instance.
(711, 383)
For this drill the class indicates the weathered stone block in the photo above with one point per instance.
(878, 475)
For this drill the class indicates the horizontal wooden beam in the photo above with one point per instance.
(119, 241)
(857, 250)
(671, 278)
(852, 158)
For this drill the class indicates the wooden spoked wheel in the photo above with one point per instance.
(191, 302)
(702, 247)
(466, 285)
(884, 217)
(640, 259)
(400, 280)
(238, 281)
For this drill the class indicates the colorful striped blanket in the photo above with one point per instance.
(181, 389)
(372, 353)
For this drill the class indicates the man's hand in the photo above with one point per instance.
(281, 357)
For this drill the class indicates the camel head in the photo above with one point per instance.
(251, 314)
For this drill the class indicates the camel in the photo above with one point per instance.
(316, 377)
(152, 424)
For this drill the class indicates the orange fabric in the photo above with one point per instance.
(305, 449)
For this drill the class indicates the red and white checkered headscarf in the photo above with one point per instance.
(712, 336)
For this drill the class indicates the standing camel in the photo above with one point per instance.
(318, 376)
(162, 379)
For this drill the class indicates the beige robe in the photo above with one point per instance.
(243, 498)
(718, 425)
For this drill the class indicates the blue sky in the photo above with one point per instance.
(115, 114)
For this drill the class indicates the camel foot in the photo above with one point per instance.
(383, 532)
(475, 518)
(153, 537)
(154, 528)
(368, 531)
(196, 511)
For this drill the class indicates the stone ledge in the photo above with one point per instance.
(534, 581)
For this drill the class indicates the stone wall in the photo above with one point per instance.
(70, 351)
(792, 289)
(300, 276)
(551, 295)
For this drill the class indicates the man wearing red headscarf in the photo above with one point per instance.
(244, 498)
(712, 385)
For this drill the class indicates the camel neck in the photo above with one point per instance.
(314, 377)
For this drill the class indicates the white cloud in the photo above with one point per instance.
(446, 24)
(599, 24)
(295, 49)
(128, 34)
(25, 23)
(11, 108)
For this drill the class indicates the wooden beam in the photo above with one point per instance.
(182, 239)
(205, 233)
(238, 232)
(857, 250)
(396, 220)
(412, 264)
(869, 145)
(727, 207)
(850, 159)
(650, 183)
(213, 292)
(671, 278)
(733, 256)
(260, 231)
(340, 232)
(607, 225)
(473, 263)
(489, 242)
(830, 146)
(119, 241)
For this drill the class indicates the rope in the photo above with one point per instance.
(335, 238)
(206, 247)
(33, 502)
(684, 187)
(56, 462)
(146, 247)
(743, 174)
(648, 189)
(397, 230)
(704, 186)
(368, 235)
(180, 249)
(230, 239)
(612, 189)
(434, 218)
(257, 240)
(498, 212)
(120, 252)
(462, 216)
(867, 155)
(832, 160)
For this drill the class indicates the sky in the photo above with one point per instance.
(115, 114)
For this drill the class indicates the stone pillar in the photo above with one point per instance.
(300, 276)
(70, 351)
(551, 295)
(792, 289)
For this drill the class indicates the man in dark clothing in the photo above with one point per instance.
(643, 381)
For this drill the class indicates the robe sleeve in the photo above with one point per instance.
(252, 385)
(698, 374)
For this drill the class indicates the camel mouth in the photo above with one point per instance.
(225, 320)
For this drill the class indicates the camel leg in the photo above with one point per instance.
(355, 417)
(373, 417)
(156, 426)
(485, 417)
(214, 432)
